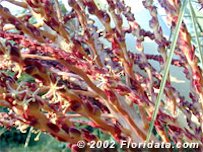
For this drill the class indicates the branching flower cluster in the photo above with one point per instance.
(58, 73)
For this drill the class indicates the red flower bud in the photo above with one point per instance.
(53, 127)
(74, 132)
(65, 128)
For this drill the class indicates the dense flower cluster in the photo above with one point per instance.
(58, 72)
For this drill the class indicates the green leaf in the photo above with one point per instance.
(3, 130)
(167, 67)
(28, 137)
(194, 22)
(26, 77)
